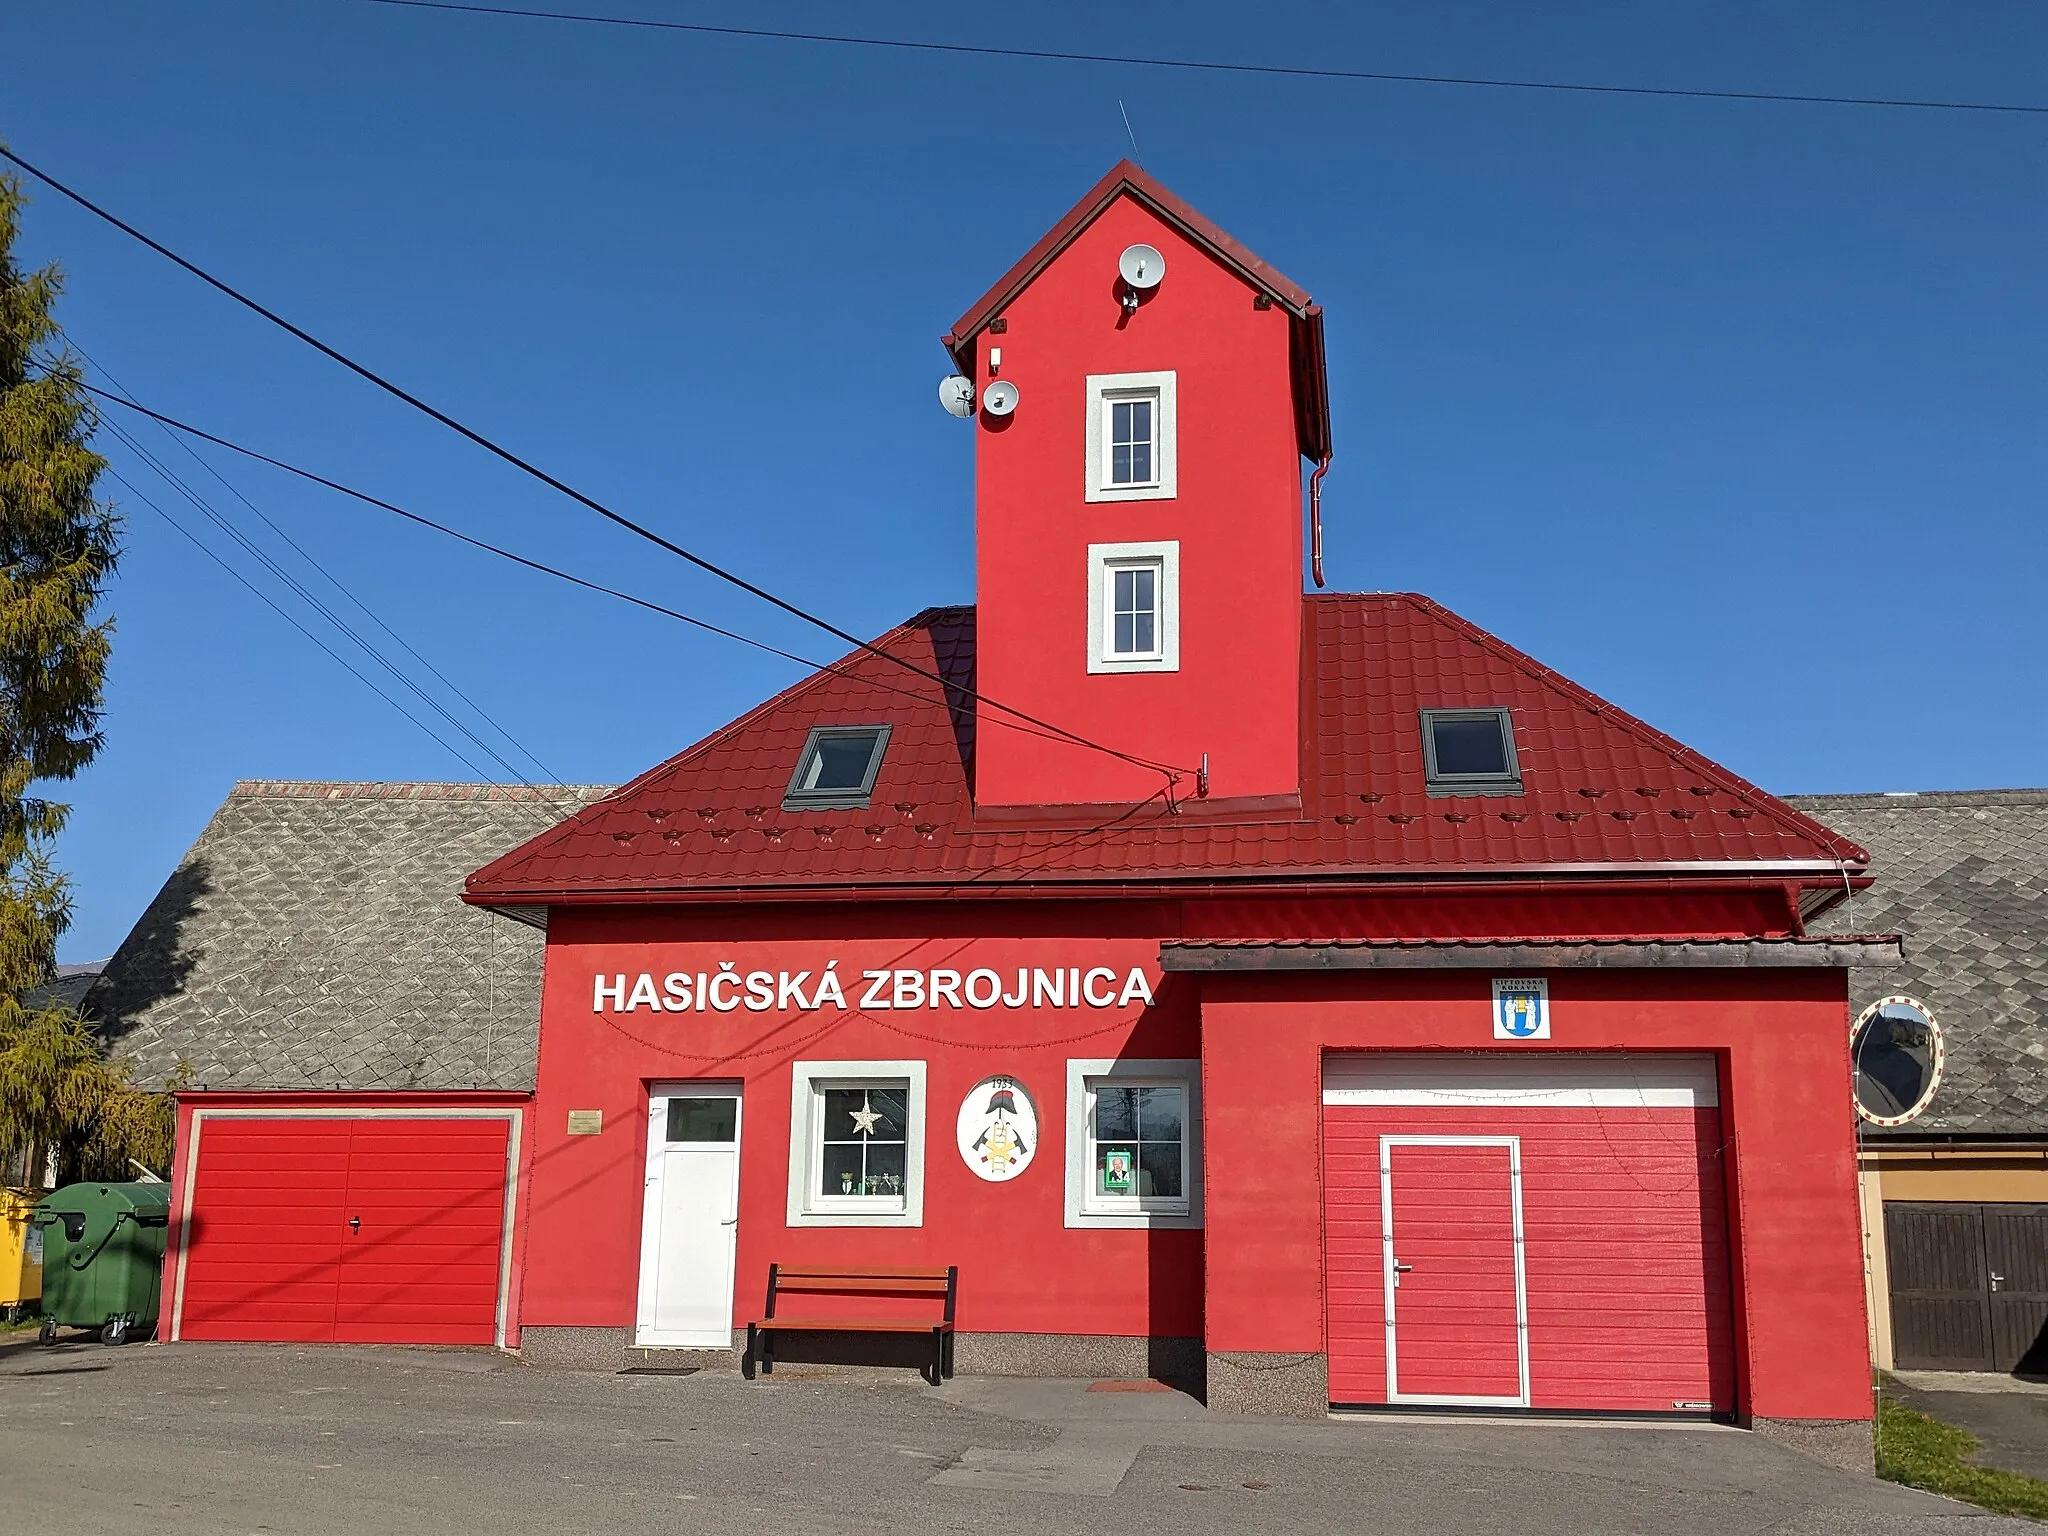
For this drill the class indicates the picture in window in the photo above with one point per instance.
(864, 1143)
(1134, 610)
(1137, 1143)
(1131, 442)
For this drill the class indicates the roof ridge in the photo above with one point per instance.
(1825, 837)
(1925, 799)
(401, 789)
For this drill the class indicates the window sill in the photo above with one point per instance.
(1153, 492)
(855, 1218)
(1136, 1221)
(1102, 664)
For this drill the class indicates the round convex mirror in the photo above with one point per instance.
(1896, 1047)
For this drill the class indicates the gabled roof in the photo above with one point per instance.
(1964, 876)
(314, 938)
(1605, 794)
(1125, 179)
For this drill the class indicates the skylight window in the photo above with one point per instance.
(1470, 752)
(837, 767)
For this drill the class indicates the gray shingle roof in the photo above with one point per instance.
(1964, 876)
(315, 937)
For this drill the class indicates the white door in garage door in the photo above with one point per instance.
(690, 1222)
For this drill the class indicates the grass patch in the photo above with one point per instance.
(1923, 1452)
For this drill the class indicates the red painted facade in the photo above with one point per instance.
(985, 848)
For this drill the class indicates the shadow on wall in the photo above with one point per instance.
(150, 968)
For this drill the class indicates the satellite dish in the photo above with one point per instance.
(1000, 398)
(1142, 267)
(956, 394)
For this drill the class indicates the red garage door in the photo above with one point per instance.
(371, 1230)
(1526, 1230)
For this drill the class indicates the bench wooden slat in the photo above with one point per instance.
(810, 1284)
(849, 1325)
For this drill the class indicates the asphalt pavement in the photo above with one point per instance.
(243, 1439)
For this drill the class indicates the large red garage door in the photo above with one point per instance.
(1527, 1230)
(371, 1230)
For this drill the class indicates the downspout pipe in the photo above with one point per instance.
(1315, 520)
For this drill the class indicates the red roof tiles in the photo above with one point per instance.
(1604, 793)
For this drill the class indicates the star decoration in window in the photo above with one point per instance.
(864, 1118)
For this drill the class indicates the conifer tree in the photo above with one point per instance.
(58, 546)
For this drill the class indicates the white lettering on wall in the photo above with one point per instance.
(728, 988)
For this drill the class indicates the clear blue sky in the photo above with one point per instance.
(1735, 413)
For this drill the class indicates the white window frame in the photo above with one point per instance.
(807, 1208)
(1103, 560)
(1104, 390)
(1084, 1210)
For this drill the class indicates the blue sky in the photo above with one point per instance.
(1734, 413)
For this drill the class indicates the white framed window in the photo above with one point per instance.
(1134, 607)
(856, 1144)
(1134, 1143)
(1132, 443)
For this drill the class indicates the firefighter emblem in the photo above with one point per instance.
(998, 1129)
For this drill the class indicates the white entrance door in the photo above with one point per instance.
(690, 1221)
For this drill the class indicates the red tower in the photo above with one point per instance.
(1138, 510)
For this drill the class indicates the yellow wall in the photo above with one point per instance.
(2003, 1177)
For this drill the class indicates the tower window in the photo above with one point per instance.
(1134, 611)
(1131, 445)
(1470, 752)
(1130, 437)
(1133, 602)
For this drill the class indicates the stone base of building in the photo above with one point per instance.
(1113, 1356)
(612, 1349)
(1295, 1386)
(1177, 1362)
(1848, 1444)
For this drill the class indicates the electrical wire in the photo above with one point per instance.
(541, 567)
(1173, 774)
(1217, 66)
(265, 598)
(299, 590)
(547, 773)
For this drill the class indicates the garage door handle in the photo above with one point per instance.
(1402, 1269)
(1996, 1280)
(355, 1223)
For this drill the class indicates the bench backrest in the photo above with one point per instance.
(936, 1284)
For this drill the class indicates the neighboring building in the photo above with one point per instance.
(310, 956)
(1956, 1198)
(1144, 941)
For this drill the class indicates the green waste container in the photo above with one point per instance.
(103, 1256)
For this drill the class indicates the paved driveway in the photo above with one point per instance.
(241, 1438)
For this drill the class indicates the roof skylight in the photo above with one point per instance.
(1470, 752)
(836, 769)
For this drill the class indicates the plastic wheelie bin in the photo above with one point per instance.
(21, 1252)
(103, 1255)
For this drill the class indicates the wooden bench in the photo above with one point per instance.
(815, 1280)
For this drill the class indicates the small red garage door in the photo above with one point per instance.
(371, 1230)
(1526, 1230)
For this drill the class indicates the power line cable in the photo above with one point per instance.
(298, 589)
(291, 619)
(541, 567)
(547, 773)
(1172, 773)
(1217, 66)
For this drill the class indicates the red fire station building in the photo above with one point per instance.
(1310, 995)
